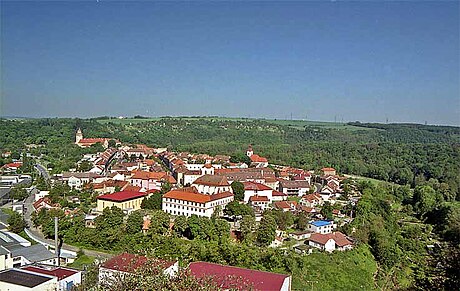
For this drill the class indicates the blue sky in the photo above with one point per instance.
(365, 61)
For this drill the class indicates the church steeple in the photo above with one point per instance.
(78, 136)
(249, 152)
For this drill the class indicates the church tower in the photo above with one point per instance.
(249, 152)
(78, 136)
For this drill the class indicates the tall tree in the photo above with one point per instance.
(238, 190)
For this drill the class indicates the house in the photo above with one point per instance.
(66, 278)
(41, 194)
(15, 252)
(46, 203)
(151, 180)
(212, 184)
(285, 205)
(108, 186)
(17, 279)
(234, 278)
(259, 175)
(253, 188)
(328, 171)
(322, 226)
(261, 202)
(311, 200)
(330, 242)
(297, 188)
(125, 200)
(77, 180)
(11, 167)
(126, 263)
(300, 235)
(188, 201)
(279, 196)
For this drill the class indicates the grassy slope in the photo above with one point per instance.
(351, 270)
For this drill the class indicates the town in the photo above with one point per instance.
(275, 206)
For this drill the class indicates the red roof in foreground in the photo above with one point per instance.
(129, 263)
(59, 272)
(122, 196)
(229, 277)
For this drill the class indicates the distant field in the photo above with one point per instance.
(298, 124)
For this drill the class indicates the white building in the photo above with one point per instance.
(322, 226)
(253, 188)
(330, 242)
(188, 202)
(297, 188)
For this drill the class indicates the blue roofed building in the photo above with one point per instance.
(322, 226)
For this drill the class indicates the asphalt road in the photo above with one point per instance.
(43, 171)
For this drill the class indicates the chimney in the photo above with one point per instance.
(56, 240)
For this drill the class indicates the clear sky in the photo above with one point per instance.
(349, 61)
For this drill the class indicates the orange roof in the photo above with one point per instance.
(327, 169)
(339, 238)
(258, 159)
(257, 198)
(255, 186)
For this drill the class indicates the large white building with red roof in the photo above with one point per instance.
(188, 202)
(234, 278)
(125, 200)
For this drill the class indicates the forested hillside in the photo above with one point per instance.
(401, 153)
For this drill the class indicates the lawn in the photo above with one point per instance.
(349, 270)
(82, 261)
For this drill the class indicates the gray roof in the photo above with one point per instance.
(23, 278)
(34, 253)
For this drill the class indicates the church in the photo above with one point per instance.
(87, 142)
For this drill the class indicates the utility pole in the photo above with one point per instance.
(56, 241)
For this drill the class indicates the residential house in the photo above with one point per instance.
(322, 226)
(311, 200)
(297, 188)
(300, 235)
(151, 180)
(46, 203)
(330, 242)
(328, 171)
(119, 266)
(261, 202)
(11, 167)
(253, 188)
(234, 278)
(21, 280)
(286, 205)
(76, 180)
(67, 278)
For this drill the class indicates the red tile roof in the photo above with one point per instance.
(228, 277)
(60, 273)
(278, 193)
(257, 198)
(255, 186)
(13, 165)
(129, 263)
(122, 196)
(339, 238)
(258, 159)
